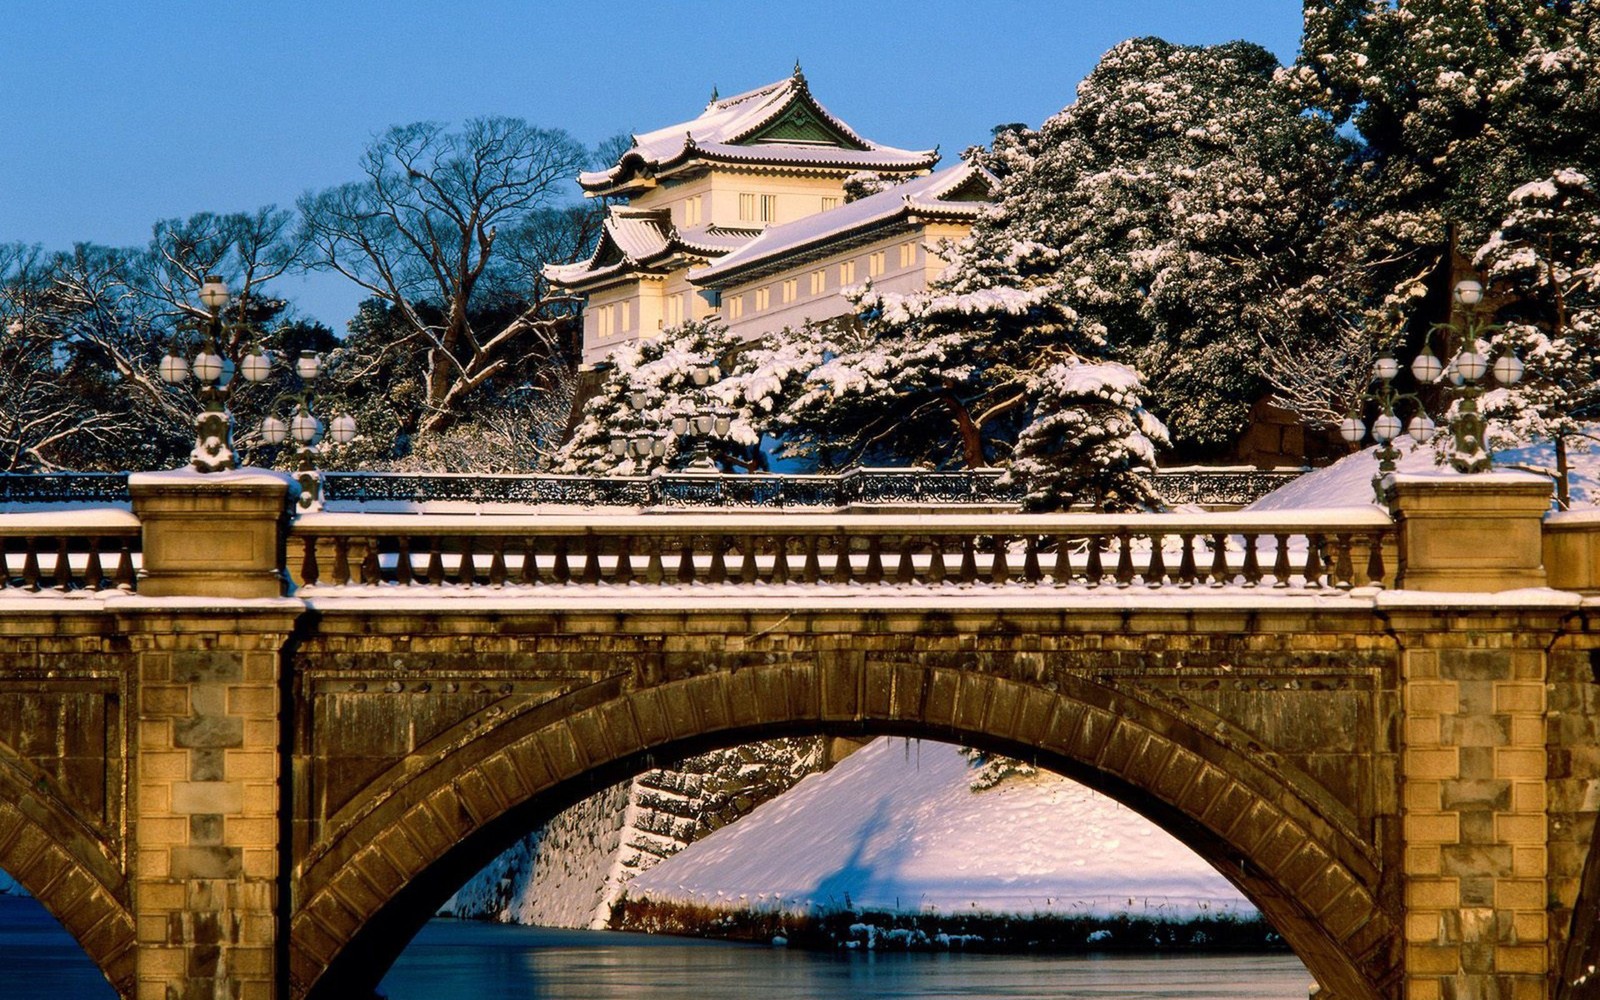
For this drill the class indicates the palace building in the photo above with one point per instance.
(741, 214)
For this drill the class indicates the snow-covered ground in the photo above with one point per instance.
(897, 826)
(1348, 482)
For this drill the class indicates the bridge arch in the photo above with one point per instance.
(384, 864)
(67, 867)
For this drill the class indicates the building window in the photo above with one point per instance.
(791, 290)
(908, 254)
(829, 202)
(847, 273)
(875, 264)
(819, 281)
(627, 316)
(747, 208)
(674, 310)
(736, 307)
(602, 321)
(763, 299)
(769, 208)
(692, 211)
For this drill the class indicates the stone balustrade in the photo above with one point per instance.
(1338, 549)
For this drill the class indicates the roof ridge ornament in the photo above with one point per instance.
(713, 95)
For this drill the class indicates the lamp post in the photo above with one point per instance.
(1465, 371)
(214, 370)
(702, 422)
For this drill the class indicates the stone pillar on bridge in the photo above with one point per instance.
(205, 808)
(1473, 770)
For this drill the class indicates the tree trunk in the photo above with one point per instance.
(1563, 487)
(971, 441)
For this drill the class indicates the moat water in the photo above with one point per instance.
(454, 960)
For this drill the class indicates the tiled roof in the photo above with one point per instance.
(634, 238)
(819, 234)
(724, 130)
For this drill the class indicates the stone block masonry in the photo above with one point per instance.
(206, 813)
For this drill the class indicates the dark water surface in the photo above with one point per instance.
(40, 961)
(456, 960)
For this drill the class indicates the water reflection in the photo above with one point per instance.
(453, 960)
(40, 959)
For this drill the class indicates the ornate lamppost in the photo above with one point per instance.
(214, 370)
(1464, 373)
(703, 422)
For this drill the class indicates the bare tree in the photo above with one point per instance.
(451, 226)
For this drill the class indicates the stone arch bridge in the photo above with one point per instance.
(1381, 725)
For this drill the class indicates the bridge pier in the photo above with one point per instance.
(207, 735)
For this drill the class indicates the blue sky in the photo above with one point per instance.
(117, 114)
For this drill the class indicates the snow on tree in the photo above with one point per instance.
(1092, 443)
(1161, 222)
(652, 383)
(1457, 104)
(1543, 268)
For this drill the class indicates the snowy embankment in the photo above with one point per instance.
(897, 827)
(1348, 482)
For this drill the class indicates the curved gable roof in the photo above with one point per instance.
(780, 124)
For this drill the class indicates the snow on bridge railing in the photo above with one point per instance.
(82, 548)
(1306, 550)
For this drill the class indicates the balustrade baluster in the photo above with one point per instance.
(719, 566)
(402, 561)
(371, 568)
(1124, 559)
(749, 572)
(5, 570)
(341, 561)
(1061, 570)
(686, 560)
(466, 568)
(63, 566)
(1280, 565)
(497, 561)
(1188, 572)
(874, 572)
(841, 558)
(780, 559)
(969, 560)
(1094, 570)
(93, 575)
(1030, 560)
(561, 569)
(1344, 573)
(124, 578)
(1251, 569)
(308, 562)
(591, 558)
(1313, 571)
(999, 568)
(937, 573)
(623, 574)
(1375, 569)
(1220, 574)
(528, 572)
(1155, 572)
(905, 570)
(654, 571)
(812, 571)
(30, 564)
(435, 562)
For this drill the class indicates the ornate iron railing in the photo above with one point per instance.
(1339, 549)
(66, 550)
(1204, 487)
(980, 487)
(860, 487)
(63, 487)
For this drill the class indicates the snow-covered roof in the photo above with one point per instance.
(634, 239)
(779, 124)
(958, 192)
